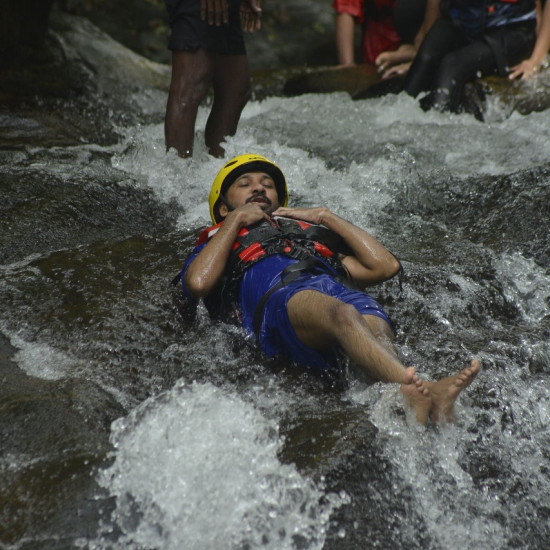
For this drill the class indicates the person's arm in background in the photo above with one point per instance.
(433, 13)
(398, 62)
(345, 35)
(251, 15)
(530, 66)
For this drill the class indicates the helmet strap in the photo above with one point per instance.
(226, 202)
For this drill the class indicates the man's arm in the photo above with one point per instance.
(206, 269)
(371, 263)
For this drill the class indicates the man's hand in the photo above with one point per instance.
(207, 268)
(245, 215)
(251, 14)
(215, 12)
(310, 215)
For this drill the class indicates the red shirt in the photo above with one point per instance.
(379, 34)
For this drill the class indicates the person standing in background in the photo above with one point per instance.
(208, 49)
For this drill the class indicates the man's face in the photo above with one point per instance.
(252, 187)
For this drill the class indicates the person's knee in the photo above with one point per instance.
(428, 57)
(344, 315)
(192, 76)
(451, 71)
(189, 92)
(380, 329)
(237, 94)
(232, 83)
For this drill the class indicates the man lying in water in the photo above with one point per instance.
(293, 278)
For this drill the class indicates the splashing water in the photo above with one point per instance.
(195, 468)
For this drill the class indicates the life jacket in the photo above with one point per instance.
(475, 16)
(315, 247)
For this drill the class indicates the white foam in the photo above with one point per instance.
(429, 465)
(389, 140)
(525, 285)
(196, 468)
(39, 359)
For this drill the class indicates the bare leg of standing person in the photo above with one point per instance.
(231, 93)
(192, 74)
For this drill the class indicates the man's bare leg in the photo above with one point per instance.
(414, 391)
(417, 395)
(231, 93)
(192, 74)
(321, 322)
(445, 391)
(432, 399)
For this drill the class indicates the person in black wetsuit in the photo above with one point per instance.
(469, 39)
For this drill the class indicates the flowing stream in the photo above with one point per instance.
(129, 423)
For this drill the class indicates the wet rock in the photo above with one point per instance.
(354, 80)
(79, 89)
(490, 98)
(33, 200)
(114, 68)
(140, 25)
(495, 98)
(36, 414)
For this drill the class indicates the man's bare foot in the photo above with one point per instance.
(416, 394)
(445, 391)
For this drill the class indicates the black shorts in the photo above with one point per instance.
(190, 32)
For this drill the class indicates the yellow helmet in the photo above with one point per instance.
(241, 165)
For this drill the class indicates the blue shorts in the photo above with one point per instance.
(277, 337)
(190, 32)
